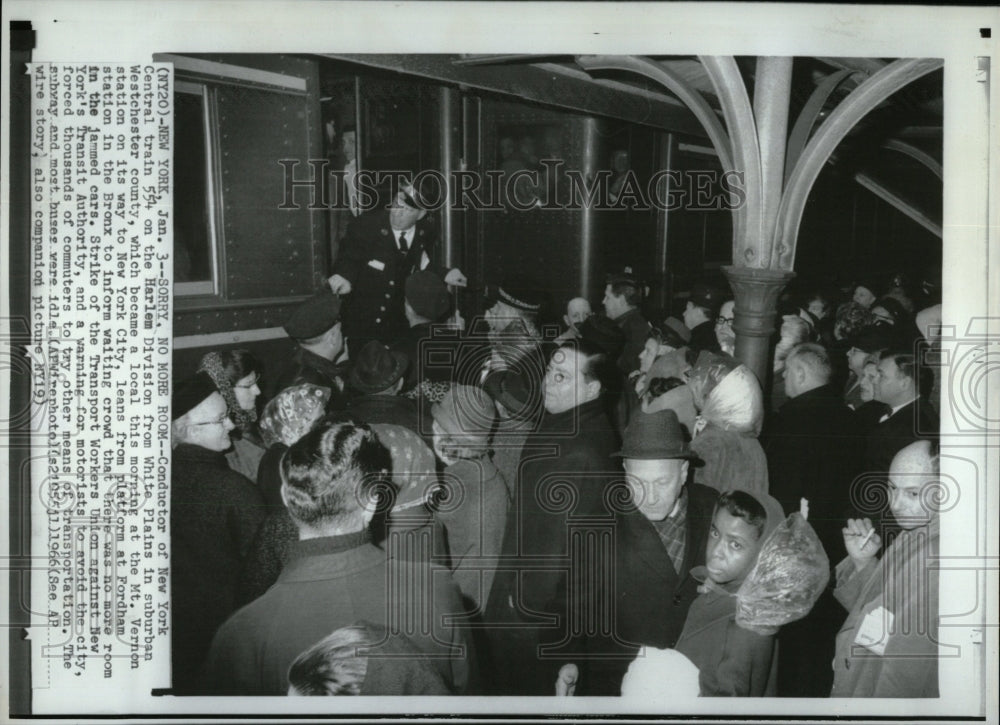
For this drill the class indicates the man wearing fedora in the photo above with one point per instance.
(319, 358)
(621, 304)
(381, 249)
(662, 533)
(699, 316)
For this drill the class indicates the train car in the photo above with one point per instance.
(632, 162)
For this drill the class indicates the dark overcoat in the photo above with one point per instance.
(813, 449)
(651, 597)
(731, 661)
(562, 496)
(330, 583)
(214, 516)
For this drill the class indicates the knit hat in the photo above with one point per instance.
(654, 436)
(377, 368)
(603, 333)
(190, 393)
(427, 294)
(466, 413)
(314, 316)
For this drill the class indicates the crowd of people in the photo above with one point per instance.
(415, 505)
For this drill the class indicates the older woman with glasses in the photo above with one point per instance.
(214, 516)
(236, 375)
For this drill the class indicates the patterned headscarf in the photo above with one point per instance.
(211, 363)
(293, 413)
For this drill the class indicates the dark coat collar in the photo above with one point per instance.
(189, 453)
(307, 358)
(822, 396)
(581, 418)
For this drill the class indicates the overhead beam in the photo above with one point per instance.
(750, 247)
(897, 202)
(917, 154)
(677, 85)
(861, 101)
(533, 84)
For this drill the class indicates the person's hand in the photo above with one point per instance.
(455, 278)
(861, 541)
(566, 681)
(339, 285)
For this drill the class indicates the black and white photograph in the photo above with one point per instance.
(500, 360)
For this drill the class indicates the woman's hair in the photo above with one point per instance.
(333, 472)
(659, 386)
(851, 319)
(338, 663)
(744, 506)
(226, 368)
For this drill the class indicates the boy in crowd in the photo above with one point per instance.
(732, 660)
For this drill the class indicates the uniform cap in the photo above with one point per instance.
(314, 316)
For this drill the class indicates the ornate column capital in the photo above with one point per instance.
(756, 292)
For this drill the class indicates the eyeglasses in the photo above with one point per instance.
(724, 321)
(250, 384)
(217, 421)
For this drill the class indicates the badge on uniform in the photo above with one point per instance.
(376, 264)
(873, 634)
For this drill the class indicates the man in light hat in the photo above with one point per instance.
(700, 317)
(319, 358)
(214, 515)
(622, 296)
(381, 249)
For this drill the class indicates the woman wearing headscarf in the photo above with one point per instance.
(236, 374)
(730, 408)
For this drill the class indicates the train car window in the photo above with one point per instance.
(195, 237)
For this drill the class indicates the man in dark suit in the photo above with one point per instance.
(621, 304)
(661, 535)
(381, 249)
(813, 452)
(562, 497)
(901, 384)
